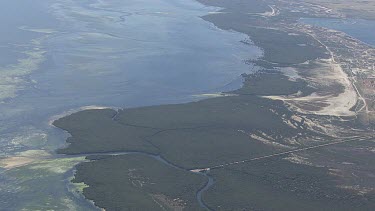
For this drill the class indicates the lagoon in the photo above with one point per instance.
(360, 29)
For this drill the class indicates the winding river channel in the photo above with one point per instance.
(199, 194)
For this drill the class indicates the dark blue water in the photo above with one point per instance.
(363, 30)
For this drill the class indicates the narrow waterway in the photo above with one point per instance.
(209, 183)
(199, 194)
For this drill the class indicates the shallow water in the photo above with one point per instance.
(65, 54)
(360, 29)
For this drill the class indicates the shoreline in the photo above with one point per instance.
(75, 110)
(331, 113)
(24, 161)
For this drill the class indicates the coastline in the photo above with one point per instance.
(326, 112)
(34, 164)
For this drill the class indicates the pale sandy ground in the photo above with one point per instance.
(335, 104)
(213, 95)
(23, 158)
(67, 113)
(13, 162)
(32, 156)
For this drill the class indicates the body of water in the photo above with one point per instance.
(60, 55)
(363, 30)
